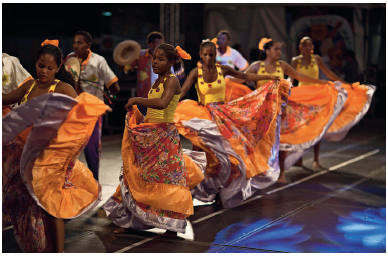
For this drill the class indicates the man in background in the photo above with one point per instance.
(95, 73)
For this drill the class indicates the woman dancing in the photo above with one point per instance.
(355, 107)
(239, 137)
(156, 176)
(43, 182)
(302, 125)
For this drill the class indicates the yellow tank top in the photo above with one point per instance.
(311, 70)
(278, 72)
(211, 92)
(51, 90)
(161, 115)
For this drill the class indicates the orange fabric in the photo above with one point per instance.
(6, 110)
(52, 42)
(51, 165)
(164, 196)
(235, 90)
(195, 173)
(322, 95)
(255, 162)
(182, 53)
(24, 134)
(358, 98)
(117, 194)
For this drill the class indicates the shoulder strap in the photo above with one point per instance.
(52, 87)
(28, 92)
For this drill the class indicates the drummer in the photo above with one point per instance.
(95, 72)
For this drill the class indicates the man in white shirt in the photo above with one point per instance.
(95, 73)
(226, 55)
(13, 73)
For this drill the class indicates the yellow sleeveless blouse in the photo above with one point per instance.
(211, 92)
(278, 72)
(51, 90)
(161, 115)
(311, 70)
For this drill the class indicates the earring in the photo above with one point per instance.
(312, 51)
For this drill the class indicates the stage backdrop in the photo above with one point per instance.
(247, 23)
(334, 30)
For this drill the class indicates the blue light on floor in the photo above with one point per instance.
(367, 227)
(356, 232)
(281, 236)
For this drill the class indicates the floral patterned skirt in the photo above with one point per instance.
(306, 118)
(240, 138)
(25, 214)
(155, 179)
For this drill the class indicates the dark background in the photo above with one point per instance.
(26, 25)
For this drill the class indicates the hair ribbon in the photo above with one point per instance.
(263, 42)
(52, 42)
(182, 53)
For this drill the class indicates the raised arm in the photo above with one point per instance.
(171, 86)
(253, 68)
(16, 95)
(190, 80)
(330, 74)
(290, 71)
(249, 76)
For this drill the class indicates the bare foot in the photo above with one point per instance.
(169, 233)
(119, 230)
(317, 167)
(282, 178)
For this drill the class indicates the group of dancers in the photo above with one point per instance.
(243, 140)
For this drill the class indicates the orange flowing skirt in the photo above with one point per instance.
(156, 177)
(308, 113)
(249, 124)
(354, 109)
(42, 139)
(235, 90)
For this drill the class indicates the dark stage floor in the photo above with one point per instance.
(342, 209)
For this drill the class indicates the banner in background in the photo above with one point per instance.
(332, 36)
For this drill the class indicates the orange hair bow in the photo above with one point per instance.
(52, 42)
(214, 40)
(263, 41)
(182, 53)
